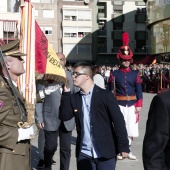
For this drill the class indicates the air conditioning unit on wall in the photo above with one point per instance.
(86, 1)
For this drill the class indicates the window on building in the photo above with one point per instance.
(140, 18)
(117, 35)
(101, 9)
(84, 31)
(102, 47)
(70, 31)
(140, 35)
(77, 31)
(48, 30)
(74, 15)
(117, 43)
(10, 29)
(48, 13)
(118, 26)
(140, 44)
(70, 15)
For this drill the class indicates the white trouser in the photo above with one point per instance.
(130, 121)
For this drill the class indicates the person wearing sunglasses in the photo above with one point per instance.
(101, 131)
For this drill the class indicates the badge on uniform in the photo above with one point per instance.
(75, 110)
(2, 84)
(1, 104)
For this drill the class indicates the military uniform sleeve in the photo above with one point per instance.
(138, 88)
(8, 134)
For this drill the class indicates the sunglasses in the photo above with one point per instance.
(76, 74)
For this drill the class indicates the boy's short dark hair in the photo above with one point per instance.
(85, 66)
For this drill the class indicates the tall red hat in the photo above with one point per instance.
(124, 51)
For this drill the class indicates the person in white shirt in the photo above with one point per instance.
(97, 77)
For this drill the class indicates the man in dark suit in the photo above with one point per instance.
(14, 141)
(156, 144)
(52, 126)
(101, 131)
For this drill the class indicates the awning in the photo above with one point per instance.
(10, 26)
(147, 60)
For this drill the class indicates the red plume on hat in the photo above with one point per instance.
(125, 51)
(125, 38)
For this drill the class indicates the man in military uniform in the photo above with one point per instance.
(128, 91)
(14, 141)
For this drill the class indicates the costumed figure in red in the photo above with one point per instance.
(126, 85)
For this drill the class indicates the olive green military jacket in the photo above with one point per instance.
(9, 117)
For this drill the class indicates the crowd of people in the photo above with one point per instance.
(103, 103)
(154, 77)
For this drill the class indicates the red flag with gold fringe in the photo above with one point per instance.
(47, 62)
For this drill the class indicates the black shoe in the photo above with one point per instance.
(53, 162)
(40, 164)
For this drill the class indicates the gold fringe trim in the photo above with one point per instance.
(57, 78)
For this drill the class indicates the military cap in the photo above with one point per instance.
(12, 49)
(125, 51)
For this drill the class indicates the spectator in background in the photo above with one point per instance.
(107, 74)
(52, 127)
(97, 77)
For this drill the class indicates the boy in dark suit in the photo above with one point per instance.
(101, 131)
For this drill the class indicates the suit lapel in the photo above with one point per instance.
(78, 106)
(94, 98)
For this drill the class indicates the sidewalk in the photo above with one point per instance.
(121, 164)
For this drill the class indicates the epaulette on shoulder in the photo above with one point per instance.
(2, 83)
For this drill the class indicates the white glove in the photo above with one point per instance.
(25, 133)
(52, 87)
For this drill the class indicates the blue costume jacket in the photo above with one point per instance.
(128, 83)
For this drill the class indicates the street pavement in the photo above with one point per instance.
(121, 164)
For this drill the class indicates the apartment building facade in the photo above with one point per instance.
(90, 30)
(68, 26)
(118, 16)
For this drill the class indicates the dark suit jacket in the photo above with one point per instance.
(48, 111)
(156, 144)
(107, 121)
